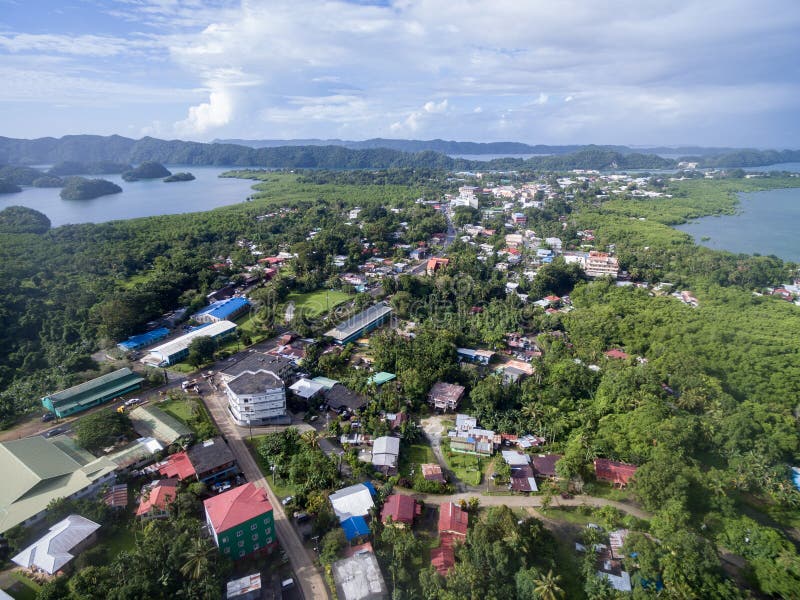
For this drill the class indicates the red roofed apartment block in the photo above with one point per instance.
(156, 500)
(452, 519)
(241, 520)
(614, 472)
(177, 465)
(401, 509)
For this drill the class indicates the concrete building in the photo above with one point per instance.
(599, 264)
(362, 323)
(91, 393)
(222, 310)
(241, 521)
(445, 396)
(256, 398)
(176, 350)
(359, 577)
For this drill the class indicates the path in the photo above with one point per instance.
(308, 575)
(433, 429)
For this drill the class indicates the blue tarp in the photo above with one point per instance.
(355, 527)
(371, 488)
(223, 309)
(143, 339)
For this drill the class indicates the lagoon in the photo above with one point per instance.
(138, 199)
(766, 223)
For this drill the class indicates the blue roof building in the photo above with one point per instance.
(222, 310)
(354, 527)
(143, 339)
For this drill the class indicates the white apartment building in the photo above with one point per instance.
(256, 397)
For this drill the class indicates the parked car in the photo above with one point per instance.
(222, 486)
(55, 432)
(48, 416)
(287, 584)
(287, 500)
(301, 516)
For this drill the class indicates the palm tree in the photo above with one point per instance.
(197, 559)
(311, 437)
(547, 587)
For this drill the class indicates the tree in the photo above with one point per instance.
(332, 543)
(101, 429)
(201, 350)
(547, 586)
(197, 558)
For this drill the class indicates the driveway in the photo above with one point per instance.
(434, 429)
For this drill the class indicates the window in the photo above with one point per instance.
(225, 540)
(241, 544)
(255, 546)
(268, 530)
(239, 533)
(241, 553)
(253, 526)
(227, 550)
(266, 521)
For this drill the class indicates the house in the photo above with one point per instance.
(362, 323)
(306, 388)
(353, 501)
(156, 498)
(601, 264)
(522, 479)
(468, 437)
(395, 420)
(400, 509)
(212, 460)
(342, 399)
(453, 520)
(616, 353)
(177, 465)
(614, 472)
(65, 540)
(176, 350)
(117, 496)
(378, 379)
(241, 520)
(151, 421)
(516, 459)
(37, 470)
(477, 356)
(136, 454)
(257, 398)
(222, 310)
(91, 393)
(544, 465)
(244, 588)
(432, 472)
(435, 264)
(385, 452)
(358, 577)
(620, 580)
(445, 396)
(519, 218)
(443, 558)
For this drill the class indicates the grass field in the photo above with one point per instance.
(313, 304)
(467, 468)
(413, 456)
(190, 411)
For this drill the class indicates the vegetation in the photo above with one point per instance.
(7, 187)
(147, 170)
(67, 168)
(179, 177)
(48, 181)
(20, 219)
(80, 188)
(101, 429)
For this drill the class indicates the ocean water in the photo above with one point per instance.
(138, 199)
(767, 223)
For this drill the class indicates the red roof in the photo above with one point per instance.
(432, 472)
(452, 519)
(400, 508)
(613, 471)
(162, 494)
(616, 353)
(236, 506)
(177, 465)
(546, 464)
(443, 560)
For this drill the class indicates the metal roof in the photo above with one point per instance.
(151, 421)
(222, 309)
(381, 378)
(355, 527)
(90, 391)
(178, 345)
(355, 500)
(360, 321)
(144, 339)
(51, 552)
(249, 382)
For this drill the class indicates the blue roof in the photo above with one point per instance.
(796, 477)
(371, 488)
(143, 339)
(222, 309)
(355, 527)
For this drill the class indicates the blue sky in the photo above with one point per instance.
(710, 72)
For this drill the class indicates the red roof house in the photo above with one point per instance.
(452, 519)
(432, 472)
(177, 465)
(443, 558)
(241, 520)
(401, 509)
(156, 499)
(434, 264)
(612, 471)
(617, 353)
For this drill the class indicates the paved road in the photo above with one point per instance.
(310, 579)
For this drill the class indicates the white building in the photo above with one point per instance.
(466, 197)
(256, 397)
(353, 501)
(599, 264)
(62, 543)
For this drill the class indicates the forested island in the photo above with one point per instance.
(147, 170)
(80, 188)
(67, 168)
(185, 176)
(8, 187)
(48, 181)
(19, 219)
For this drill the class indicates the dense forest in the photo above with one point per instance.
(80, 188)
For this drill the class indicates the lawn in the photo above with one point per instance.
(189, 411)
(23, 588)
(313, 304)
(467, 467)
(601, 489)
(413, 456)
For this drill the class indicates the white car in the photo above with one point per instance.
(286, 500)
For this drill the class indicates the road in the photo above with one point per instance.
(309, 577)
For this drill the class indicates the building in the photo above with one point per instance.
(257, 398)
(156, 499)
(614, 472)
(600, 264)
(151, 421)
(136, 342)
(222, 310)
(544, 465)
(469, 438)
(516, 459)
(453, 523)
(306, 388)
(522, 479)
(91, 393)
(36, 470)
(136, 454)
(385, 453)
(466, 197)
(400, 509)
(342, 399)
(117, 496)
(519, 218)
(212, 460)
(482, 357)
(362, 323)
(380, 378)
(65, 540)
(176, 350)
(443, 558)
(453, 520)
(244, 588)
(282, 367)
(353, 501)
(434, 264)
(241, 521)
(177, 465)
(359, 577)
(445, 396)
(432, 472)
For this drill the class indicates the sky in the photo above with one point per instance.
(707, 72)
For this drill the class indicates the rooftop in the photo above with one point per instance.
(151, 421)
(400, 508)
(453, 519)
(210, 454)
(249, 382)
(359, 577)
(339, 397)
(222, 309)
(236, 506)
(158, 495)
(363, 319)
(90, 391)
(181, 343)
(177, 465)
(355, 500)
(446, 392)
(51, 552)
(256, 361)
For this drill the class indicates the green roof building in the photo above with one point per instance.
(151, 421)
(36, 470)
(94, 392)
(380, 378)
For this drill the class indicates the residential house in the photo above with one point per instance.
(453, 520)
(342, 399)
(477, 356)
(400, 509)
(156, 499)
(432, 472)
(178, 466)
(241, 521)
(601, 264)
(614, 472)
(117, 496)
(307, 389)
(445, 396)
(522, 479)
(435, 264)
(616, 353)
(544, 465)
(63, 542)
(353, 501)
(385, 453)
(244, 588)
(212, 460)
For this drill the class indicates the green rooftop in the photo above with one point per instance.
(381, 378)
(88, 394)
